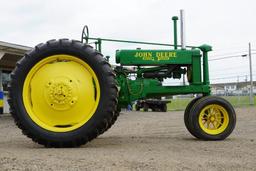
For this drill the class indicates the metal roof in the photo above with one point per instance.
(10, 53)
(14, 48)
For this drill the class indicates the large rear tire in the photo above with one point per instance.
(63, 94)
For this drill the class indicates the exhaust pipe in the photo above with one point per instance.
(182, 29)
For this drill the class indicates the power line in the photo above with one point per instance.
(223, 78)
(227, 57)
(230, 53)
(238, 74)
(240, 67)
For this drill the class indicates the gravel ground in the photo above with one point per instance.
(138, 141)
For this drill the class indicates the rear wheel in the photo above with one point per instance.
(212, 118)
(63, 94)
(113, 119)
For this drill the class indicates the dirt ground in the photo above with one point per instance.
(138, 141)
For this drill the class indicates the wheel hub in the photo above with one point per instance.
(61, 93)
(212, 118)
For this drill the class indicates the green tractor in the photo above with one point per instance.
(64, 93)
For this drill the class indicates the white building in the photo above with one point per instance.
(9, 54)
(233, 88)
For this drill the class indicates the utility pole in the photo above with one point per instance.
(237, 89)
(237, 84)
(251, 81)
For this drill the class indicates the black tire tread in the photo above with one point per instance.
(101, 126)
(195, 110)
(187, 113)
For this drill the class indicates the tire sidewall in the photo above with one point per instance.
(195, 113)
(187, 114)
(89, 56)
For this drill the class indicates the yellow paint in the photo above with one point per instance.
(213, 119)
(165, 55)
(158, 55)
(61, 93)
(144, 55)
(1, 103)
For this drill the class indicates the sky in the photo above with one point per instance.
(227, 25)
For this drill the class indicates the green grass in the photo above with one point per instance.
(178, 104)
(236, 101)
(239, 100)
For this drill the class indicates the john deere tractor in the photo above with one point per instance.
(64, 93)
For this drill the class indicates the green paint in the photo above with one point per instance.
(175, 18)
(205, 49)
(153, 66)
(155, 57)
(133, 42)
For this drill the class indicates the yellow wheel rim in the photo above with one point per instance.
(213, 119)
(61, 93)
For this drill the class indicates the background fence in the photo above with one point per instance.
(180, 103)
(229, 76)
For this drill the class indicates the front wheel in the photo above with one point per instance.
(63, 94)
(211, 118)
(187, 113)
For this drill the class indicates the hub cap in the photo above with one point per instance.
(61, 93)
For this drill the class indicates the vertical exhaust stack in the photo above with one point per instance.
(175, 18)
(182, 29)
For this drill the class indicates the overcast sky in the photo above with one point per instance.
(227, 25)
